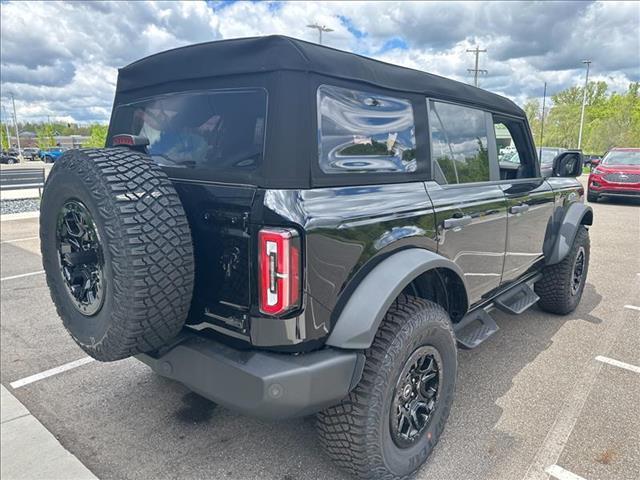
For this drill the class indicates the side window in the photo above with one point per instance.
(363, 132)
(458, 143)
(514, 159)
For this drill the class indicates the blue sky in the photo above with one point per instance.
(70, 72)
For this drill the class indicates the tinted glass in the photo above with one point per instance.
(458, 143)
(364, 132)
(213, 129)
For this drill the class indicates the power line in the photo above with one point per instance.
(320, 28)
(477, 70)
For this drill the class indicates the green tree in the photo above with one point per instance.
(97, 136)
(5, 139)
(45, 136)
(534, 114)
(611, 119)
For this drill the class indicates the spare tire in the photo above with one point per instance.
(117, 251)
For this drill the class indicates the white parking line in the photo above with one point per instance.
(30, 274)
(632, 307)
(562, 474)
(574, 401)
(16, 240)
(49, 373)
(618, 363)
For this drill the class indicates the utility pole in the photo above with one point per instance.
(15, 122)
(584, 102)
(320, 28)
(476, 70)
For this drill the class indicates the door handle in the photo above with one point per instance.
(519, 208)
(457, 222)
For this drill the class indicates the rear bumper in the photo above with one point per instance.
(260, 384)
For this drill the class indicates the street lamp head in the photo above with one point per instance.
(586, 61)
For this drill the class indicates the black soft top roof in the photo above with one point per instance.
(257, 55)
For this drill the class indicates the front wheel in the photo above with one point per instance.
(561, 286)
(389, 424)
(592, 197)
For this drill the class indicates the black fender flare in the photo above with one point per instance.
(360, 318)
(576, 215)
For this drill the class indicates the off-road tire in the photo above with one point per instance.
(554, 288)
(356, 433)
(147, 249)
(592, 197)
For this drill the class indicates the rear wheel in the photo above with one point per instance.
(389, 424)
(561, 286)
(117, 252)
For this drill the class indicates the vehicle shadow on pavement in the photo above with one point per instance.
(145, 426)
(502, 401)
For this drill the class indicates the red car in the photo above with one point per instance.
(617, 175)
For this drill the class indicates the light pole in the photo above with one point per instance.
(320, 28)
(15, 123)
(584, 102)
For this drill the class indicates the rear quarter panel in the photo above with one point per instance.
(347, 231)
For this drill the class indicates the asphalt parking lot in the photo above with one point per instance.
(532, 397)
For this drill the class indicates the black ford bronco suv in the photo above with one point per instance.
(289, 229)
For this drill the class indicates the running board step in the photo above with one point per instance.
(475, 328)
(517, 300)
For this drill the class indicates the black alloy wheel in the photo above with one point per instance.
(80, 257)
(415, 396)
(578, 271)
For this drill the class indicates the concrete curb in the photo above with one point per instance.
(29, 451)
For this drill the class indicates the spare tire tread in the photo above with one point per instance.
(150, 246)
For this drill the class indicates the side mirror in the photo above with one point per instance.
(568, 164)
(595, 162)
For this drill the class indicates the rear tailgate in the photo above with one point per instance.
(219, 219)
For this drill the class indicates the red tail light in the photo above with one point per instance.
(279, 276)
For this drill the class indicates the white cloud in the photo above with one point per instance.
(70, 71)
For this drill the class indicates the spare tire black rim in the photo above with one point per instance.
(415, 396)
(578, 271)
(80, 257)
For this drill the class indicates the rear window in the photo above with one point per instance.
(364, 132)
(216, 130)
